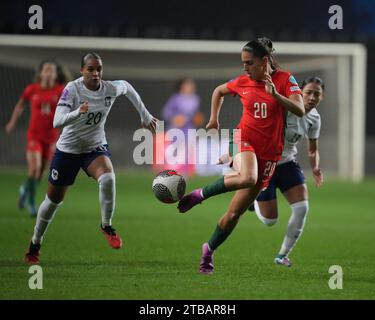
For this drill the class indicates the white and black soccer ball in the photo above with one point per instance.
(169, 186)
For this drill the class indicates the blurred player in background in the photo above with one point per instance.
(266, 93)
(43, 96)
(182, 108)
(288, 176)
(182, 112)
(82, 112)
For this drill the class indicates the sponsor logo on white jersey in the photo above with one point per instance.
(107, 101)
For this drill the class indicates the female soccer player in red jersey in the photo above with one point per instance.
(43, 96)
(266, 93)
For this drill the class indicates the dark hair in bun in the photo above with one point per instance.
(262, 47)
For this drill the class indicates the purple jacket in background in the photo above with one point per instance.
(179, 104)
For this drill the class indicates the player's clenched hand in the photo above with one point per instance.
(84, 107)
(318, 177)
(269, 85)
(152, 125)
(213, 124)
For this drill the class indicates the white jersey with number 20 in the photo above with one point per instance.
(83, 133)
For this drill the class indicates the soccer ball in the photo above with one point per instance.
(168, 186)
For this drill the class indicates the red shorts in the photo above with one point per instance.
(266, 168)
(45, 149)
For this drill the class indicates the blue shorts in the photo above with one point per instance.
(65, 166)
(286, 176)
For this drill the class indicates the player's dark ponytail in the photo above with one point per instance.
(262, 47)
(315, 79)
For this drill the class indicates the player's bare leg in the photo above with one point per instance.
(101, 170)
(46, 212)
(296, 194)
(239, 204)
(28, 189)
(43, 167)
(245, 163)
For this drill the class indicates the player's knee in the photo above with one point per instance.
(55, 195)
(49, 207)
(248, 181)
(107, 181)
(51, 201)
(300, 208)
(55, 198)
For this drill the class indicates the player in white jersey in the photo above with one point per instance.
(288, 176)
(82, 112)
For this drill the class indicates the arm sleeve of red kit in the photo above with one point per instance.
(26, 94)
(291, 86)
(232, 86)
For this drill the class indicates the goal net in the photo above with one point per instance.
(153, 66)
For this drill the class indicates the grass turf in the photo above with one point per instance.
(161, 250)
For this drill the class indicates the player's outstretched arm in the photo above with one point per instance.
(216, 103)
(147, 120)
(63, 117)
(17, 111)
(314, 158)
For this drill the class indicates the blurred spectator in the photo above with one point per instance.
(182, 109)
(182, 112)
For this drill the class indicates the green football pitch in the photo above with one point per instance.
(161, 252)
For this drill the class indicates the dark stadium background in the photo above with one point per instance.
(220, 20)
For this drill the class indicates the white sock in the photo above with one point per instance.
(295, 226)
(107, 196)
(46, 213)
(266, 221)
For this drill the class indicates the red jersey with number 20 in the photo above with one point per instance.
(263, 119)
(43, 105)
